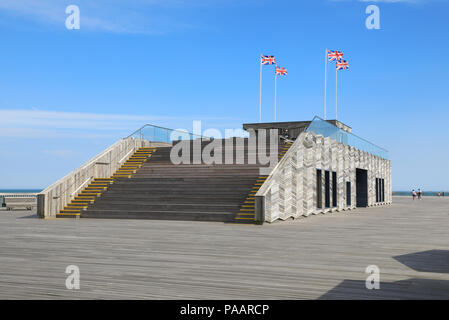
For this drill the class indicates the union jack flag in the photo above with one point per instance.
(281, 71)
(267, 60)
(342, 65)
(334, 55)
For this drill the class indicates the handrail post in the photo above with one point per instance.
(259, 209)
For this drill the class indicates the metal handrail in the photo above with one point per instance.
(81, 186)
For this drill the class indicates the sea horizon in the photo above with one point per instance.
(20, 190)
(395, 193)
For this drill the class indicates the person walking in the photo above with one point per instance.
(414, 194)
(419, 194)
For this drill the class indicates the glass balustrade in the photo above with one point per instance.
(159, 134)
(326, 129)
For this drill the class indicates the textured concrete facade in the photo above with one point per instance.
(291, 189)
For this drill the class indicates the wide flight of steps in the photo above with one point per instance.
(162, 190)
(99, 185)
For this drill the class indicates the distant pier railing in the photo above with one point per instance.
(425, 193)
(18, 195)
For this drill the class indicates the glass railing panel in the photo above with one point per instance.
(326, 129)
(159, 134)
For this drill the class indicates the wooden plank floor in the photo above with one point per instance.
(322, 256)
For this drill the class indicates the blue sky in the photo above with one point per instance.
(65, 95)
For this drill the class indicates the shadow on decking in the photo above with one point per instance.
(426, 261)
(410, 289)
(436, 261)
(30, 216)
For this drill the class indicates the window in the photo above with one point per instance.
(319, 189)
(380, 190)
(334, 189)
(348, 193)
(377, 190)
(327, 196)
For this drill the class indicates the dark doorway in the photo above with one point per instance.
(319, 189)
(361, 188)
(327, 187)
(382, 189)
(377, 190)
(348, 193)
(334, 189)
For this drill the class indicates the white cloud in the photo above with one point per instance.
(61, 153)
(385, 1)
(35, 133)
(73, 120)
(391, 1)
(55, 124)
(81, 125)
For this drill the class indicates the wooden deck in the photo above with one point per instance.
(322, 256)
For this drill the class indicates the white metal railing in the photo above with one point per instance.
(126, 156)
(81, 186)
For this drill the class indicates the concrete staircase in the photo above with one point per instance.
(159, 189)
(99, 185)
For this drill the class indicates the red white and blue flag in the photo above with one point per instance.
(281, 71)
(342, 65)
(334, 55)
(267, 60)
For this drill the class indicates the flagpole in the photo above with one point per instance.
(260, 91)
(275, 78)
(325, 82)
(336, 97)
